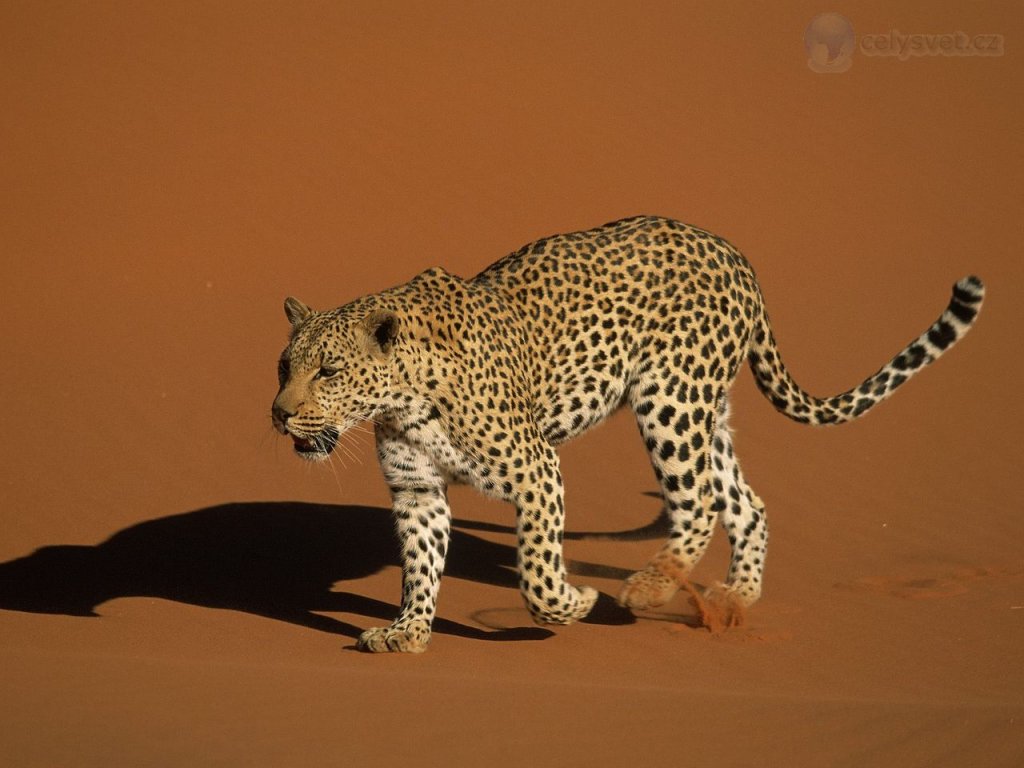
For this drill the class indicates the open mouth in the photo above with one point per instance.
(319, 445)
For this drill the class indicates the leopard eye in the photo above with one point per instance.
(282, 370)
(326, 372)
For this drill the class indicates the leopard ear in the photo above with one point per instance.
(296, 312)
(382, 329)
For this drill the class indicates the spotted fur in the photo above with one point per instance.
(478, 381)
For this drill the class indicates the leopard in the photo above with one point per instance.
(479, 381)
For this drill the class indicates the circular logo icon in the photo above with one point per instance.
(829, 41)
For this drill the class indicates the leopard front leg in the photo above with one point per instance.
(540, 523)
(419, 505)
(423, 523)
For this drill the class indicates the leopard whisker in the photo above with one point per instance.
(349, 452)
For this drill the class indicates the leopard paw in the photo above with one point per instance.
(648, 588)
(720, 607)
(586, 597)
(408, 637)
(578, 605)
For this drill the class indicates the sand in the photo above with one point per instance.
(177, 589)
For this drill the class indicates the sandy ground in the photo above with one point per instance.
(176, 589)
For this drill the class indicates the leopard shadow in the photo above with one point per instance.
(289, 561)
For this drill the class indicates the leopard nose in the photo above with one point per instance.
(280, 418)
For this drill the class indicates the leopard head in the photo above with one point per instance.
(334, 373)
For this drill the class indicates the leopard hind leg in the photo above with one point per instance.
(743, 517)
(678, 427)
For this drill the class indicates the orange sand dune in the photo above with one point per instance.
(176, 589)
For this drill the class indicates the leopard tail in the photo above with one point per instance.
(776, 383)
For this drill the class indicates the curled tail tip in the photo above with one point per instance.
(969, 289)
(968, 295)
